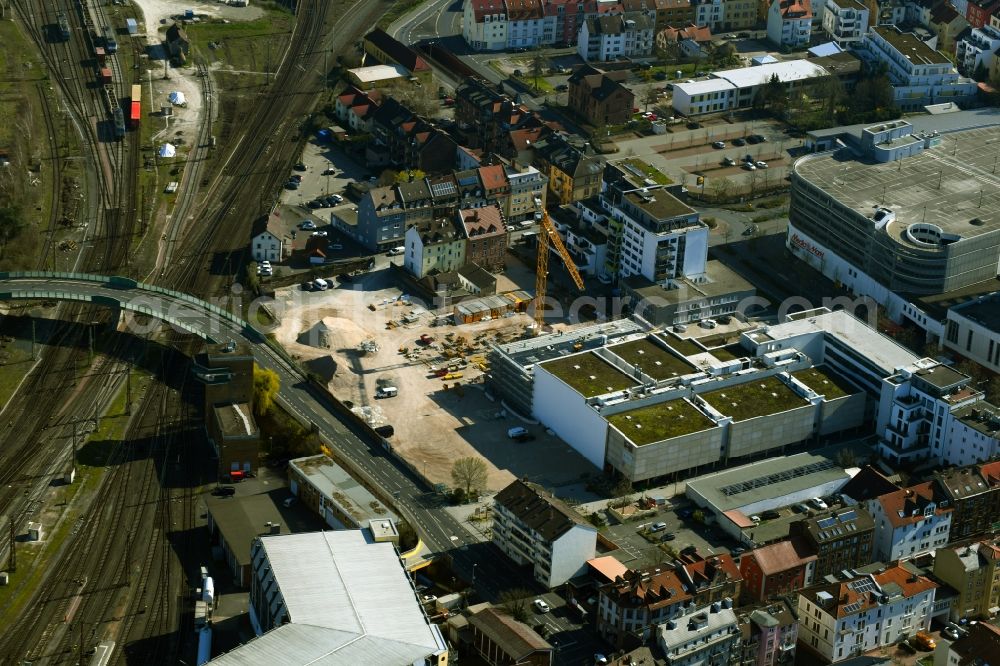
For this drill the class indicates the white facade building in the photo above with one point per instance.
(973, 330)
(484, 24)
(977, 49)
(526, 24)
(266, 246)
(533, 527)
(435, 245)
(845, 619)
(789, 22)
(705, 636)
(736, 88)
(615, 36)
(711, 13)
(334, 598)
(919, 74)
(909, 522)
(845, 21)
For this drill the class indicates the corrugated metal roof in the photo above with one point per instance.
(349, 602)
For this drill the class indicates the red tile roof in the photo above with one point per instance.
(782, 556)
(482, 8)
(485, 221)
(796, 9)
(493, 177)
(991, 472)
(696, 33)
(849, 601)
(906, 506)
(650, 588)
(910, 583)
(608, 567)
(524, 10)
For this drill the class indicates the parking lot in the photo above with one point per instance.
(571, 635)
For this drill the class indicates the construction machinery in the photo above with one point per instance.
(547, 234)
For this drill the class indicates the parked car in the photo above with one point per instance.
(314, 204)
(292, 185)
(800, 508)
(729, 161)
(749, 166)
(719, 144)
(296, 177)
(600, 659)
(755, 519)
(694, 125)
(541, 606)
(517, 431)
(761, 164)
(756, 138)
(738, 142)
(299, 166)
(307, 225)
(708, 323)
(818, 503)
(680, 328)
(669, 536)
(329, 171)
(923, 641)
(770, 514)
(951, 632)
(657, 527)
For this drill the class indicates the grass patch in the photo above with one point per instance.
(244, 45)
(655, 361)
(728, 353)
(656, 423)
(15, 364)
(754, 398)
(648, 171)
(589, 374)
(685, 347)
(825, 382)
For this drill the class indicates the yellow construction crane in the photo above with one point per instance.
(548, 234)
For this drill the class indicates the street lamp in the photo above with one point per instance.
(474, 565)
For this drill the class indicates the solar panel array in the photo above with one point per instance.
(853, 607)
(862, 585)
(443, 188)
(777, 477)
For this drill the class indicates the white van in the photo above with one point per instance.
(320, 284)
(516, 432)
(396, 250)
(386, 392)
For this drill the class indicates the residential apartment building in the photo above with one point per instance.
(484, 24)
(487, 117)
(381, 219)
(585, 238)
(527, 195)
(486, 236)
(739, 14)
(631, 607)
(611, 37)
(599, 98)
(973, 330)
(919, 74)
(533, 527)
(841, 538)
(771, 633)
(845, 21)
(925, 412)
(710, 13)
(355, 108)
(526, 24)
(673, 14)
(976, 50)
(403, 140)
(776, 569)
(978, 12)
(573, 174)
(267, 241)
(973, 493)
(708, 635)
(838, 621)
(337, 598)
(434, 246)
(973, 570)
(948, 24)
(789, 23)
(909, 522)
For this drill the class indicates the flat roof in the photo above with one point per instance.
(825, 382)
(559, 344)
(658, 203)
(758, 75)
(718, 280)
(664, 420)
(981, 416)
(241, 518)
(910, 46)
(236, 420)
(941, 376)
(878, 349)
(690, 636)
(379, 73)
(653, 359)
(937, 305)
(333, 482)
(765, 479)
(589, 374)
(927, 122)
(984, 311)
(703, 87)
(682, 345)
(951, 185)
(757, 397)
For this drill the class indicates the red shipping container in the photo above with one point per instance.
(136, 114)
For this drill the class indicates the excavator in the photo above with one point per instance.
(547, 234)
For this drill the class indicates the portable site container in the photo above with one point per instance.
(132, 25)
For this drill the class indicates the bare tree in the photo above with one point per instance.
(469, 474)
(652, 96)
(515, 601)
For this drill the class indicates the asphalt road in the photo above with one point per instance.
(436, 18)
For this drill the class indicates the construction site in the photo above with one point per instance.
(367, 337)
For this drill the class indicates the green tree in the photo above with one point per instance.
(537, 67)
(409, 175)
(265, 386)
(515, 601)
(469, 474)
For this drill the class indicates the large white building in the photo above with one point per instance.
(919, 74)
(735, 88)
(909, 522)
(711, 13)
(973, 330)
(533, 527)
(334, 598)
(838, 621)
(845, 21)
(977, 48)
(614, 36)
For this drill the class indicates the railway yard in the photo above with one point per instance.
(113, 565)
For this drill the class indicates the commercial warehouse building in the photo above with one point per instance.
(732, 89)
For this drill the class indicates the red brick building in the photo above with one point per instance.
(978, 12)
(486, 236)
(776, 569)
